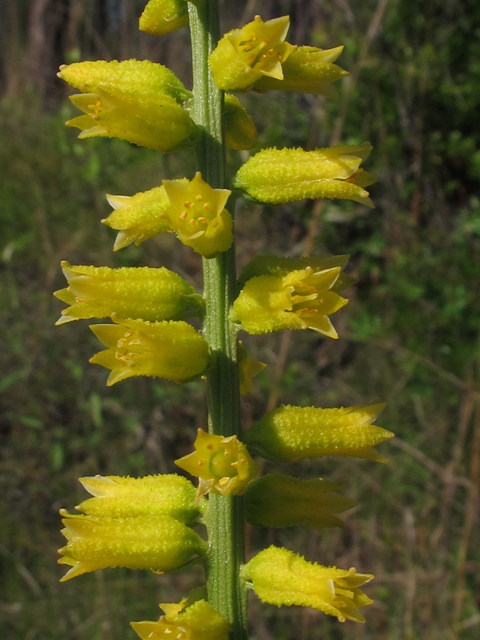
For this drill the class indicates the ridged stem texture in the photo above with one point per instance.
(225, 519)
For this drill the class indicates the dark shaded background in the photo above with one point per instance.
(410, 335)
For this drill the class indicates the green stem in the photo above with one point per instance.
(225, 519)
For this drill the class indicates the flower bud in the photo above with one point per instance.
(275, 500)
(171, 350)
(290, 432)
(300, 299)
(248, 369)
(276, 176)
(139, 217)
(308, 70)
(281, 577)
(159, 543)
(129, 292)
(198, 215)
(162, 16)
(240, 130)
(223, 465)
(199, 621)
(117, 497)
(244, 55)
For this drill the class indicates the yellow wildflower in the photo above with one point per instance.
(281, 577)
(240, 130)
(162, 16)
(222, 464)
(290, 432)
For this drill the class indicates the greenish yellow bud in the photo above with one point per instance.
(248, 369)
(117, 497)
(198, 215)
(159, 543)
(128, 79)
(162, 16)
(139, 217)
(154, 120)
(128, 292)
(240, 130)
(290, 432)
(275, 500)
(277, 266)
(171, 350)
(308, 70)
(281, 577)
(198, 621)
(222, 464)
(276, 176)
(300, 299)
(245, 55)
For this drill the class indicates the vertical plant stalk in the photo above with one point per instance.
(225, 520)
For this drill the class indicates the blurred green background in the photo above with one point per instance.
(410, 335)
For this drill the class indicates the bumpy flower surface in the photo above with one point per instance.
(222, 464)
(248, 369)
(124, 80)
(171, 350)
(198, 215)
(308, 70)
(275, 500)
(240, 130)
(198, 621)
(244, 55)
(128, 292)
(290, 432)
(165, 494)
(276, 176)
(159, 543)
(163, 16)
(138, 218)
(300, 299)
(281, 577)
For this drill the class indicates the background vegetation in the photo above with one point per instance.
(410, 335)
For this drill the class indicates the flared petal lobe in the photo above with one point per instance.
(289, 433)
(283, 578)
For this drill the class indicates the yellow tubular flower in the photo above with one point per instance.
(308, 70)
(139, 217)
(171, 350)
(198, 215)
(117, 497)
(276, 176)
(198, 621)
(301, 299)
(248, 369)
(240, 130)
(244, 55)
(275, 500)
(159, 543)
(281, 577)
(290, 432)
(223, 465)
(128, 292)
(162, 16)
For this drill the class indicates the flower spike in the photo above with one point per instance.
(223, 465)
(164, 494)
(281, 577)
(159, 543)
(128, 292)
(297, 299)
(245, 55)
(275, 500)
(199, 621)
(276, 176)
(171, 350)
(289, 433)
(198, 215)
